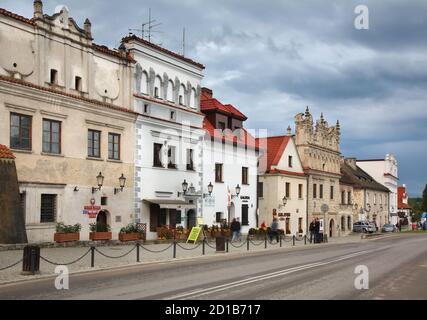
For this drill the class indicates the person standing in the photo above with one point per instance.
(235, 229)
(274, 230)
(312, 228)
(317, 231)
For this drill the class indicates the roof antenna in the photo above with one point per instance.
(183, 42)
(147, 32)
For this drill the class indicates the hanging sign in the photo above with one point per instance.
(91, 211)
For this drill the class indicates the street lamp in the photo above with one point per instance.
(210, 190)
(122, 183)
(100, 181)
(238, 189)
(284, 201)
(184, 188)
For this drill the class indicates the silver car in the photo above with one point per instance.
(364, 227)
(388, 228)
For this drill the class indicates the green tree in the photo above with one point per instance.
(424, 205)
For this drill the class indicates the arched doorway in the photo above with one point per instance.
(331, 228)
(191, 219)
(102, 219)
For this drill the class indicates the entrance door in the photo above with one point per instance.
(331, 228)
(101, 219)
(191, 219)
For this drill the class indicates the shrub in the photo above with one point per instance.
(99, 227)
(131, 228)
(63, 228)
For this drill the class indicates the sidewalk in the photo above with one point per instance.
(148, 253)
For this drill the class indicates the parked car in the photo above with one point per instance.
(388, 228)
(365, 227)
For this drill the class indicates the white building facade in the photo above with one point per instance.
(230, 158)
(169, 135)
(385, 171)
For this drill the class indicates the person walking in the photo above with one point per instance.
(274, 230)
(235, 229)
(317, 231)
(311, 229)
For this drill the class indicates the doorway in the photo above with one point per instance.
(331, 228)
(191, 219)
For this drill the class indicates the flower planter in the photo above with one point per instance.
(66, 237)
(98, 236)
(129, 236)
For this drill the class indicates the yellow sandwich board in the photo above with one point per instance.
(194, 234)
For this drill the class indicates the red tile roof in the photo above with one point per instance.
(246, 138)
(208, 104)
(104, 49)
(161, 49)
(275, 148)
(99, 103)
(5, 153)
(299, 174)
(401, 194)
(16, 17)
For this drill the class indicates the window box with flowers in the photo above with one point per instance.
(131, 233)
(100, 232)
(67, 233)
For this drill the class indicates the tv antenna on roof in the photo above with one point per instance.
(147, 28)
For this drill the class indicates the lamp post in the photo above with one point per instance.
(122, 183)
(184, 188)
(210, 190)
(100, 182)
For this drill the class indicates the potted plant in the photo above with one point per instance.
(100, 231)
(67, 233)
(130, 233)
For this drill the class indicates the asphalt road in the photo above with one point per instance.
(397, 270)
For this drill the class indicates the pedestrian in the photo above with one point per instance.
(274, 231)
(317, 231)
(235, 229)
(312, 228)
(239, 232)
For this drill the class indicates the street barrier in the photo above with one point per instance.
(31, 257)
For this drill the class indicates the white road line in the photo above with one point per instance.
(202, 292)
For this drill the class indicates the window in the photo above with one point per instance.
(94, 144)
(245, 175)
(157, 153)
(218, 217)
(171, 157)
(190, 163)
(193, 98)
(343, 197)
(20, 131)
(300, 221)
(113, 146)
(169, 94)
(332, 192)
(349, 198)
(300, 191)
(78, 84)
(321, 191)
(48, 208)
(51, 136)
(157, 86)
(156, 92)
(290, 161)
(181, 95)
(260, 189)
(144, 83)
(181, 100)
(173, 115)
(53, 76)
(288, 190)
(104, 201)
(218, 172)
(146, 108)
(245, 215)
(314, 191)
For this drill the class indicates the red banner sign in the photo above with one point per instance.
(92, 211)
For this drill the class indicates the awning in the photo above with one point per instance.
(171, 203)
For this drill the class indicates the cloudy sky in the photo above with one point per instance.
(273, 58)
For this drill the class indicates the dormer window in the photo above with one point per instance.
(53, 76)
(78, 84)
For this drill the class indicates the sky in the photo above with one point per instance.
(271, 59)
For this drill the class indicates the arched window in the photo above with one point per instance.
(144, 83)
(181, 95)
(193, 99)
(157, 88)
(169, 95)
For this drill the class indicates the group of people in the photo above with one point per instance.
(315, 235)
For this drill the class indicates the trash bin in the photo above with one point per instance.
(220, 244)
(31, 260)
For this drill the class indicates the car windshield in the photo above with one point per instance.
(388, 225)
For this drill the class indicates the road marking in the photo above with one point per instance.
(206, 291)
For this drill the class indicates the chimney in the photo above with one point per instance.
(351, 162)
(207, 92)
(88, 27)
(38, 9)
(289, 131)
